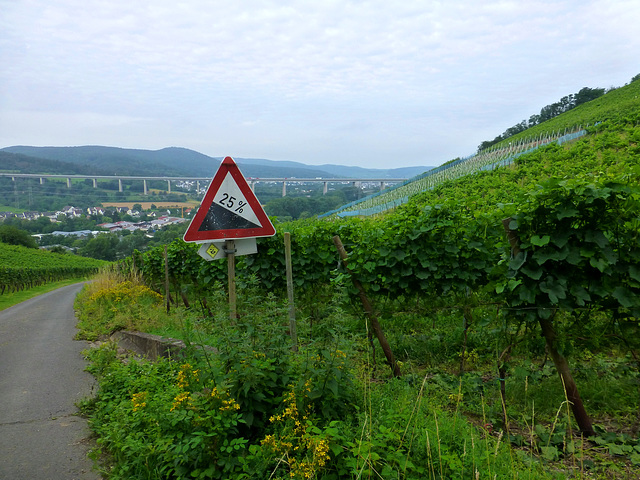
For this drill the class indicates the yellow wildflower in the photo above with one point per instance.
(138, 400)
(181, 398)
(229, 405)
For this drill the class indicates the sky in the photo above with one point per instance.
(377, 84)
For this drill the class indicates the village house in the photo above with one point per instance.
(70, 211)
(95, 211)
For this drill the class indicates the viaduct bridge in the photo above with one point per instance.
(202, 180)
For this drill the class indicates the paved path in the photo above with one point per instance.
(41, 377)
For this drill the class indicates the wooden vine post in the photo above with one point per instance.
(230, 250)
(166, 279)
(292, 307)
(561, 363)
(373, 319)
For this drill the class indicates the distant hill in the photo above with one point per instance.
(174, 161)
(327, 170)
(18, 163)
(118, 161)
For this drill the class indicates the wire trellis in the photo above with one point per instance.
(488, 159)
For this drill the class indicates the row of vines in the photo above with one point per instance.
(478, 283)
(578, 244)
(569, 248)
(24, 268)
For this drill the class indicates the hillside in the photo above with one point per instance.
(22, 267)
(19, 163)
(610, 148)
(116, 161)
(615, 116)
(488, 328)
(174, 161)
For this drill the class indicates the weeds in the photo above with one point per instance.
(255, 409)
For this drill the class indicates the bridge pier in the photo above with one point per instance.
(356, 182)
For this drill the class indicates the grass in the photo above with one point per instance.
(10, 299)
(433, 422)
(101, 315)
(10, 208)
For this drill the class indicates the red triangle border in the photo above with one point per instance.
(228, 166)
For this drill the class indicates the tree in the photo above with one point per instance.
(129, 243)
(102, 247)
(14, 236)
(548, 112)
(587, 94)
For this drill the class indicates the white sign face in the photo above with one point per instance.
(231, 198)
(229, 210)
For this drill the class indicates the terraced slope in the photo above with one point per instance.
(617, 111)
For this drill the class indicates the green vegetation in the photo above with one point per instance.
(296, 207)
(503, 342)
(566, 103)
(614, 115)
(14, 236)
(618, 107)
(255, 409)
(24, 268)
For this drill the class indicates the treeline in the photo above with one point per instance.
(18, 163)
(11, 235)
(300, 207)
(548, 112)
(566, 103)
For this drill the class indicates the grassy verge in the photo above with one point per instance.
(256, 409)
(10, 299)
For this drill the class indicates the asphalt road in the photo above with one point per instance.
(41, 378)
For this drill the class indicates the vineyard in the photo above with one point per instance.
(488, 159)
(486, 328)
(24, 268)
(564, 128)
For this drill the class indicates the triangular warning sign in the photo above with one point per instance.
(229, 209)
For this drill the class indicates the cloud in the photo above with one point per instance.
(312, 79)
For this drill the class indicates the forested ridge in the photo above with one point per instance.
(18, 163)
